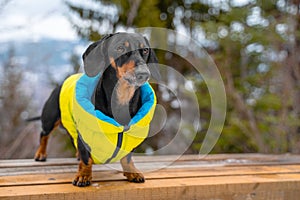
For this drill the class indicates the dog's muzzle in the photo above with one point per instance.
(142, 74)
(138, 76)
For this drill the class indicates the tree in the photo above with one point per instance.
(254, 45)
(14, 103)
(260, 81)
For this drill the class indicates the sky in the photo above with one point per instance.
(35, 19)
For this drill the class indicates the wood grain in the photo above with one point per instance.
(222, 177)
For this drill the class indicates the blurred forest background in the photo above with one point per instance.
(255, 45)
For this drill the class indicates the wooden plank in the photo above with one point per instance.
(222, 159)
(223, 188)
(222, 177)
(147, 163)
(142, 167)
(30, 162)
(103, 176)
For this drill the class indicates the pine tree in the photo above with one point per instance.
(255, 46)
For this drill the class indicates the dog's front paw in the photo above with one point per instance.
(84, 174)
(40, 155)
(82, 181)
(135, 177)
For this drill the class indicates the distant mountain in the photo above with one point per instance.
(41, 62)
(44, 53)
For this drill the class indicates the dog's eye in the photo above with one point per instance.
(145, 51)
(120, 49)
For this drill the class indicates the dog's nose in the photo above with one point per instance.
(142, 73)
(142, 76)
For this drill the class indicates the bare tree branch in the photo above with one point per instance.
(135, 4)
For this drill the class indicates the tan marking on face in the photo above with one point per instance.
(142, 45)
(112, 62)
(126, 44)
(126, 68)
(124, 92)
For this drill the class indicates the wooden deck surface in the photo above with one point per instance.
(214, 177)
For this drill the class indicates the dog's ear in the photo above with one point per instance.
(153, 63)
(94, 57)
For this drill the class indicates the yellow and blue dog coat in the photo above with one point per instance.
(105, 139)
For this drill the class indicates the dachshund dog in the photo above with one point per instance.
(125, 62)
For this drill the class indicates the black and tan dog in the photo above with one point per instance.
(126, 62)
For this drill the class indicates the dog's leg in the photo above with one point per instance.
(84, 174)
(41, 153)
(130, 171)
(50, 120)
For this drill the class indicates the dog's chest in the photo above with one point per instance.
(107, 103)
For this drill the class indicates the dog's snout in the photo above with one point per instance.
(142, 76)
(142, 73)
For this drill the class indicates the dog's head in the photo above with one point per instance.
(128, 53)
